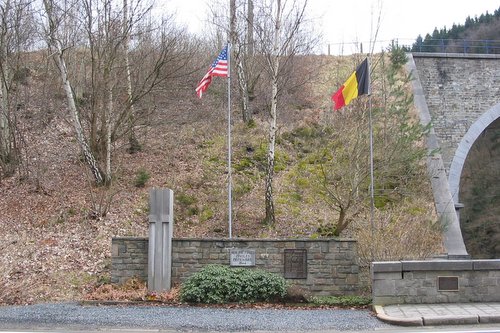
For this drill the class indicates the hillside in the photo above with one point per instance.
(56, 244)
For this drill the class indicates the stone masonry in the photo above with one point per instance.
(435, 281)
(129, 258)
(331, 265)
(462, 93)
(458, 89)
(443, 199)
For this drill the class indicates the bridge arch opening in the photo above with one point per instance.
(473, 178)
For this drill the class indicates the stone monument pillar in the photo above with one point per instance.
(161, 223)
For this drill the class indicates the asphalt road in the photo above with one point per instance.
(75, 318)
(72, 316)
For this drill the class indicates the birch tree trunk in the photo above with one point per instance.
(134, 145)
(238, 60)
(57, 56)
(107, 120)
(270, 217)
(242, 84)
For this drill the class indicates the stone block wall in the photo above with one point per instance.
(435, 281)
(129, 258)
(458, 89)
(331, 266)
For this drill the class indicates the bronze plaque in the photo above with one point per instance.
(295, 264)
(447, 283)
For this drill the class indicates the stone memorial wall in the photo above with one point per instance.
(322, 267)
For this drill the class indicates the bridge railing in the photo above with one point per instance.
(428, 45)
(484, 46)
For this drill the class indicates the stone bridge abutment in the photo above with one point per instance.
(460, 95)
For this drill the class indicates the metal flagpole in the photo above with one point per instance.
(229, 185)
(372, 195)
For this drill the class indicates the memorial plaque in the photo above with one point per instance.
(242, 257)
(295, 264)
(448, 283)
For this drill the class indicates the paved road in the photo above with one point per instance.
(72, 317)
(187, 319)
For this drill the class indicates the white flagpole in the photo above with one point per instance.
(229, 185)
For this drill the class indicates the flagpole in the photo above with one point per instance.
(372, 195)
(229, 184)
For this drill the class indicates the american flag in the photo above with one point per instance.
(218, 68)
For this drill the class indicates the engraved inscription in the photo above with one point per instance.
(295, 263)
(242, 257)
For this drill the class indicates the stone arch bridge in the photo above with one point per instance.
(460, 95)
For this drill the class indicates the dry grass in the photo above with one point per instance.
(132, 290)
(54, 246)
(407, 232)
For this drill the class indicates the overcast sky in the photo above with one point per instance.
(345, 22)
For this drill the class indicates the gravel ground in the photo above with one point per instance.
(75, 316)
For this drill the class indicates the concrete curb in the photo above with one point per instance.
(451, 320)
(489, 319)
(423, 319)
(412, 321)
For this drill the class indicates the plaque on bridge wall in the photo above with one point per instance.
(447, 283)
(295, 263)
(242, 257)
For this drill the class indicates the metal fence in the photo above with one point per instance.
(484, 46)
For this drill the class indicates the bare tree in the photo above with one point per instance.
(133, 141)
(340, 163)
(115, 77)
(279, 33)
(343, 174)
(5, 133)
(240, 32)
(240, 57)
(16, 18)
(274, 65)
(55, 15)
(250, 20)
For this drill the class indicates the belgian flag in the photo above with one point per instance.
(357, 84)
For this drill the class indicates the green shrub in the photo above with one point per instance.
(242, 188)
(192, 211)
(243, 164)
(185, 199)
(223, 284)
(141, 178)
(251, 124)
(206, 214)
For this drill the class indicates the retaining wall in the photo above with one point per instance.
(435, 281)
(322, 267)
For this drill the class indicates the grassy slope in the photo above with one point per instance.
(52, 249)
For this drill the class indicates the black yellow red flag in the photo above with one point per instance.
(357, 84)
